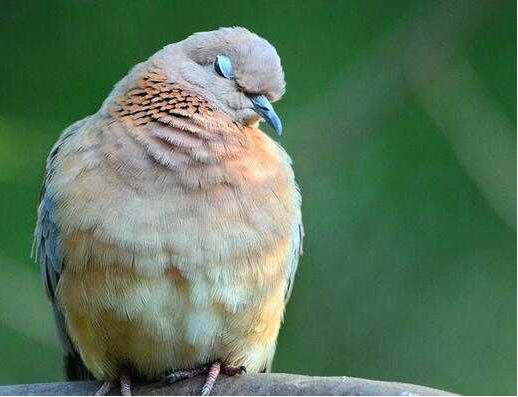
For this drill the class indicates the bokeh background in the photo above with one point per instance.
(401, 120)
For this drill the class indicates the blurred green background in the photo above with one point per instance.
(401, 120)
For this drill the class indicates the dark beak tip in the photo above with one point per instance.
(278, 128)
(265, 109)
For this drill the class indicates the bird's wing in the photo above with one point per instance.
(47, 245)
(296, 252)
(293, 263)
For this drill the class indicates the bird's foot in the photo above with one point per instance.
(214, 371)
(125, 385)
(179, 375)
(210, 380)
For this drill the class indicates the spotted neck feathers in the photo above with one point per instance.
(177, 126)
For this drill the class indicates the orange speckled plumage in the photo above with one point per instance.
(178, 231)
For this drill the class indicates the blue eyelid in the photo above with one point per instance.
(223, 67)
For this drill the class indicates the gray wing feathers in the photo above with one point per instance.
(47, 246)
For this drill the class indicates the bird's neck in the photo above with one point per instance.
(176, 127)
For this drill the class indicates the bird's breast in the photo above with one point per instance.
(171, 268)
(238, 213)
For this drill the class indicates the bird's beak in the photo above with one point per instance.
(265, 109)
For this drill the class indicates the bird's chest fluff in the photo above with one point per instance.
(163, 278)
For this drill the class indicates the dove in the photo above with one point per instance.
(169, 226)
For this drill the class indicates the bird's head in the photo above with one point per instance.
(232, 68)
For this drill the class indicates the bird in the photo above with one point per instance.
(169, 226)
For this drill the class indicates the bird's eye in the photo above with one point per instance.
(223, 67)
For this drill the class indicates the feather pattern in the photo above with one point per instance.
(169, 231)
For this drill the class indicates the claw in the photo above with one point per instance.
(231, 371)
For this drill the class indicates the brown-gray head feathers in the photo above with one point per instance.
(256, 64)
(232, 68)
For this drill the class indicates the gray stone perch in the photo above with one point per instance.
(251, 385)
